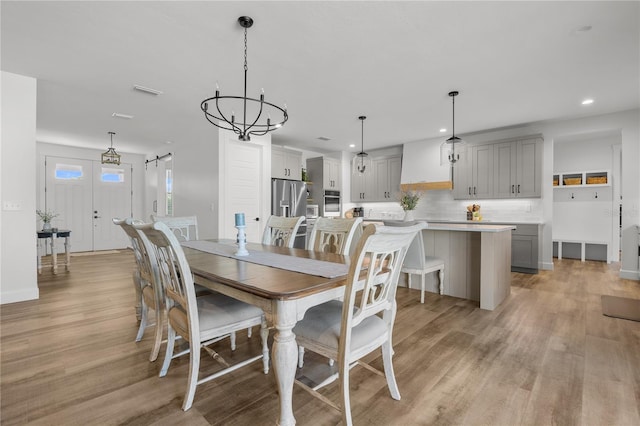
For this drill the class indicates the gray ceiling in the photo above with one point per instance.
(329, 61)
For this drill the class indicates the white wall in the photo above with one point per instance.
(195, 180)
(18, 269)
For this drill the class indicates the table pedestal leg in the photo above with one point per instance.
(67, 252)
(38, 248)
(54, 255)
(285, 356)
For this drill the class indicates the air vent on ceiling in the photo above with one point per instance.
(119, 115)
(147, 89)
(322, 138)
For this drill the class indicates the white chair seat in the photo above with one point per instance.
(322, 324)
(215, 311)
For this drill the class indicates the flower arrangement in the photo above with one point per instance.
(409, 200)
(46, 215)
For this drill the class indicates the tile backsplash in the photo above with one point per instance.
(440, 205)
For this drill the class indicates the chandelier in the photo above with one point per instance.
(247, 126)
(448, 148)
(362, 154)
(111, 156)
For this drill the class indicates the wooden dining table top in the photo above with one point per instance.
(261, 280)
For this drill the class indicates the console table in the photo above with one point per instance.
(52, 236)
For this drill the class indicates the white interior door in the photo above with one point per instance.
(87, 195)
(244, 184)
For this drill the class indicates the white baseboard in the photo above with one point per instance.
(19, 296)
(630, 274)
(547, 266)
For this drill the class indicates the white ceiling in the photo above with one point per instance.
(329, 61)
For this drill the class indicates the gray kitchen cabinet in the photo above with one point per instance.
(286, 163)
(362, 184)
(524, 249)
(326, 168)
(386, 172)
(473, 173)
(518, 169)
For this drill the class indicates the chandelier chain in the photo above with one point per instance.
(245, 50)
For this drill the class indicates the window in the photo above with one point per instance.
(68, 172)
(111, 175)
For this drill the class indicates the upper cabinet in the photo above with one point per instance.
(325, 170)
(286, 163)
(362, 184)
(473, 173)
(379, 182)
(500, 170)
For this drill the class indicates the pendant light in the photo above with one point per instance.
(362, 154)
(248, 126)
(111, 156)
(450, 146)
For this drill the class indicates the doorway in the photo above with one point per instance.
(87, 195)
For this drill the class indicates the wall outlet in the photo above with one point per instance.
(12, 205)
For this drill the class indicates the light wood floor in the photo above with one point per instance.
(547, 355)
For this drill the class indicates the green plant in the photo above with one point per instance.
(409, 200)
(46, 215)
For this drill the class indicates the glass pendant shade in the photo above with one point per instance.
(451, 149)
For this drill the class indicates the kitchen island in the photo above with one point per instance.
(477, 260)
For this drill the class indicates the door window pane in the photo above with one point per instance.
(111, 175)
(68, 171)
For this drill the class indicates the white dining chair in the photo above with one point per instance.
(201, 321)
(333, 235)
(185, 228)
(349, 330)
(148, 296)
(281, 231)
(417, 263)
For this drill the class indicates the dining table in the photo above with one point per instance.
(283, 282)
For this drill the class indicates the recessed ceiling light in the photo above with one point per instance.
(353, 145)
(323, 138)
(443, 130)
(169, 142)
(147, 89)
(119, 115)
(587, 102)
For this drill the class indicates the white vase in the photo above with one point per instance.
(46, 226)
(408, 216)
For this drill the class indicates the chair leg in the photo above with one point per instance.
(232, 337)
(158, 335)
(264, 335)
(300, 356)
(249, 332)
(344, 393)
(192, 382)
(422, 280)
(409, 280)
(144, 314)
(441, 277)
(387, 359)
(168, 355)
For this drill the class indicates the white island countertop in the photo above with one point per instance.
(455, 226)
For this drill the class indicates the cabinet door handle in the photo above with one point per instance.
(518, 188)
(474, 190)
(513, 190)
(469, 190)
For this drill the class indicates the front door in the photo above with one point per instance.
(87, 195)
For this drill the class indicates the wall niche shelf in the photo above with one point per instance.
(589, 179)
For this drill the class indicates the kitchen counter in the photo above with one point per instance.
(457, 226)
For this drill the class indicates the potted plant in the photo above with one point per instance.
(408, 202)
(46, 217)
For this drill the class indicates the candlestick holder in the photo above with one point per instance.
(242, 242)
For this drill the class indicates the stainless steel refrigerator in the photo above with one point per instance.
(289, 199)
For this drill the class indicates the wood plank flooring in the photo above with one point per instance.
(546, 356)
